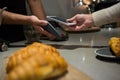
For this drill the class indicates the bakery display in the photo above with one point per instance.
(114, 44)
(35, 62)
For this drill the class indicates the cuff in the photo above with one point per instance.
(1, 10)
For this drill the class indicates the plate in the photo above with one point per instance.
(105, 52)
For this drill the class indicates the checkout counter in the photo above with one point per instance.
(79, 51)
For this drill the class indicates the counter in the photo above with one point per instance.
(79, 51)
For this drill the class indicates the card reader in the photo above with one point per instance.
(56, 30)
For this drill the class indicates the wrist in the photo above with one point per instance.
(30, 21)
(92, 20)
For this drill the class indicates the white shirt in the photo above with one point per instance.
(108, 15)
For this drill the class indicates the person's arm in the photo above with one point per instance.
(98, 18)
(13, 18)
(107, 15)
(37, 9)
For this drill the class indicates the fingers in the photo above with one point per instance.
(71, 28)
(44, 32)
(43, 22)
(82, 21)
(77, 28)
(36, 21)
(49, 35)
(71, 19)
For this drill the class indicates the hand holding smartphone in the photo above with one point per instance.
(60, 20)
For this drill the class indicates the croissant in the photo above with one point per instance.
(35, 62)
(114, 44)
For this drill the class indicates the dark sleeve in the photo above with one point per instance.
(13, 33)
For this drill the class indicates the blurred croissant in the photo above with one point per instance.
(35, 62)
(114, 44)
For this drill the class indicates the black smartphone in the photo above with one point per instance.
(60, 20)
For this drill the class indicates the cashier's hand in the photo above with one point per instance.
(36, 24)
(81, 20)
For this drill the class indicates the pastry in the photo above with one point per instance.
(114, 44)
(36, 62)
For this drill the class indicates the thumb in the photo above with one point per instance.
(43, 22)
(71, 19)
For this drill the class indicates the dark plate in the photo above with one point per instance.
(105, 52)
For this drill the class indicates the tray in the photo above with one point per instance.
(91, 29)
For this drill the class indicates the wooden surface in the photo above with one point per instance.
(71, 74)
(74, 74)
(91, 29)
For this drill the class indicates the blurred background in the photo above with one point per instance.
(62, 8)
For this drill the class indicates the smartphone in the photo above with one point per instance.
(60, 20)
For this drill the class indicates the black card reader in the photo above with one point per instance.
(57, 31)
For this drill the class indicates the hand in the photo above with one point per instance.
(44, 32)
(82, 21)
(37, 23)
